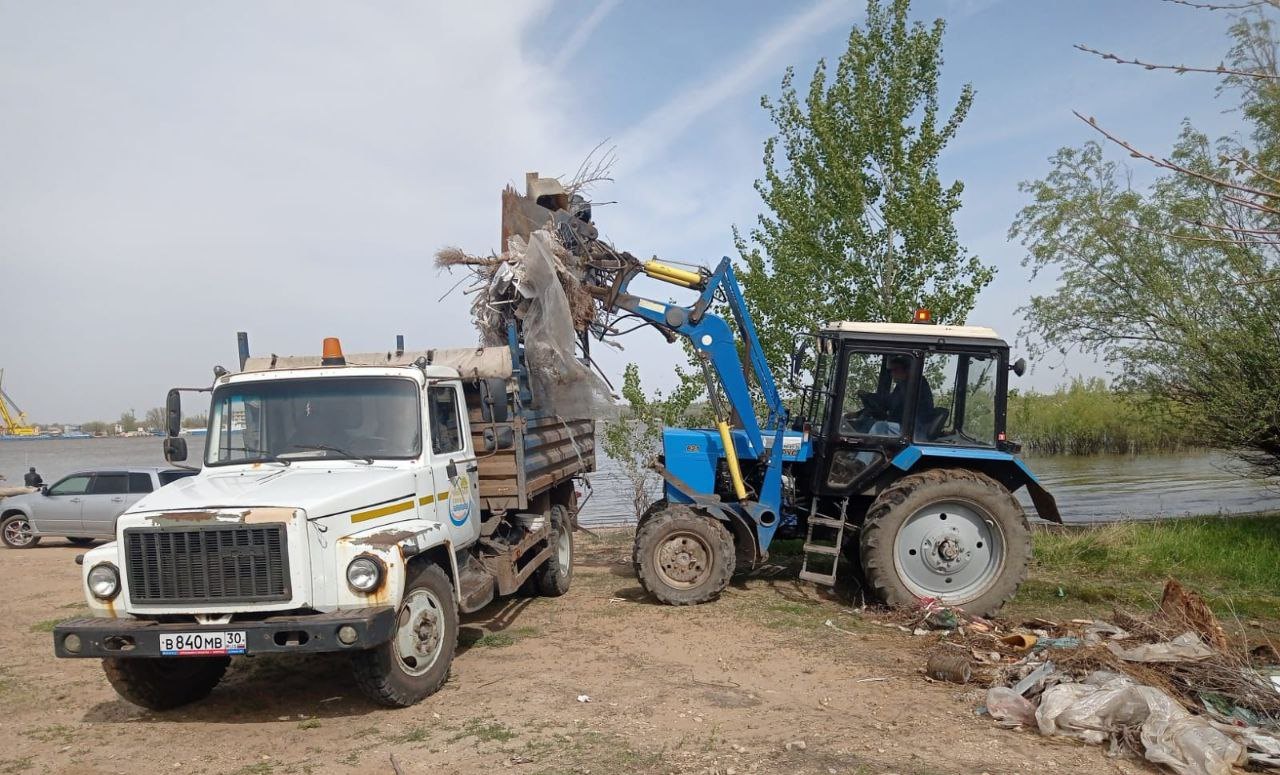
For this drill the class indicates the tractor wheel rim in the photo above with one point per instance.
(683, 560)
(564, 549)
(19, 532)
(420, 632)
(951, 550)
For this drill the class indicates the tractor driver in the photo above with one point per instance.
(900, 371)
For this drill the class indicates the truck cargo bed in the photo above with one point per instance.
(544, 452)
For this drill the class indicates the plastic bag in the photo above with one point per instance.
(1187, 744)
(1009, 708)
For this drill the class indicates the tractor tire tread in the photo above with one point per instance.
(654, 526)
(877, 565)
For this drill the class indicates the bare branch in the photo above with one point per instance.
(1168, 164)
(1224, 6)
(1219, 70)
(594, 168)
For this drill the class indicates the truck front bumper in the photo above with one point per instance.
(311, 633)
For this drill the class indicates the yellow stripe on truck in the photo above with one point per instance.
(395, 508)
(427, 500)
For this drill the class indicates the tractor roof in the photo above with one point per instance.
(916, 333)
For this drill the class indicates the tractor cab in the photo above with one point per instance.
(886, 392)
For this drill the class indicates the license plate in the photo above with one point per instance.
(202, 644)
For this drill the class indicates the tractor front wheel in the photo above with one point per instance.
(953, 535)
(683, 557)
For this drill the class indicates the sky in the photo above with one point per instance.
(171, 173)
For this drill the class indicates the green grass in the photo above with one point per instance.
(1233, 563)
(46, 626)
(1087, 417)
(502, 638)
(485, 731)
(416, 734)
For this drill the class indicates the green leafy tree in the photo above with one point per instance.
(128, 421)
(634, 437)
(859, 223)
(1176, 287)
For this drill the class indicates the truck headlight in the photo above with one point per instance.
(104, 581)
(364, 573)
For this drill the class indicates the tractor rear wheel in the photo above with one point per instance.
(953, 535)
(683, 557)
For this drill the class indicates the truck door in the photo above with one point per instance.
(453, 464)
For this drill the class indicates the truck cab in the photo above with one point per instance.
(340, 507)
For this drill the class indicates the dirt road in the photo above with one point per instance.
(720, 688)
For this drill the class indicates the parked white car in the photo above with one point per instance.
(81, 507)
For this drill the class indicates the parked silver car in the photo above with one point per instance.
(81, 507)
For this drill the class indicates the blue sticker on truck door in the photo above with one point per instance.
(459, 499)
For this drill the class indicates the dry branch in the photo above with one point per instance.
(1180, 69)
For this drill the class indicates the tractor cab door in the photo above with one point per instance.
(877, 402)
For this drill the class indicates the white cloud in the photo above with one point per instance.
(650, 137)
(582, 33)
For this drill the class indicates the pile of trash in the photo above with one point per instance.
(1169, 686)
(538, 283)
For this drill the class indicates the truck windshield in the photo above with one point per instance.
(353, 418)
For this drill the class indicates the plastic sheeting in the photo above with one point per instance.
(561, 382)
(1105, 704)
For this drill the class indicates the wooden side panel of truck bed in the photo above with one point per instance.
(545, 452)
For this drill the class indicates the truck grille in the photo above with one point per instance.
(207, 564)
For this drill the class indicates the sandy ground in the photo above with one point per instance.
(720, 688)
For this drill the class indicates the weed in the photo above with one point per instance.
(46, 626)
(311, 723)
(415, 734)
(485, 731)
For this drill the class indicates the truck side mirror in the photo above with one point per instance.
(175, 449)
(1019, 367)
(173, 414)
(493, 400)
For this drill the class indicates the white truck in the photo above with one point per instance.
(345, 504)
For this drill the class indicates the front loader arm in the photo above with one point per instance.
(713, 337)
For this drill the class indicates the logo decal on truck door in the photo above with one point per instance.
(459, 499)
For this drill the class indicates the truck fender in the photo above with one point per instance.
(400, 546)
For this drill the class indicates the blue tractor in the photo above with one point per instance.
(895, 458)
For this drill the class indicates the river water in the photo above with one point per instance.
(1097, 488)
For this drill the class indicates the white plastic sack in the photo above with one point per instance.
(1009, 708)
(1187, 744)
(1187, 647)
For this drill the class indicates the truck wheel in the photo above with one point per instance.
(164, 683)
(17, 533)
(954, 535)
(682, 557)
(415, 663)
(552, 579)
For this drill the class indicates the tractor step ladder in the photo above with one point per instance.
(829, 551)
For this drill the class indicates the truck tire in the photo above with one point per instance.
(682, 557)
(164, 683)
(16, 532)
(414, 664)
(553, 578)
(951, 534)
